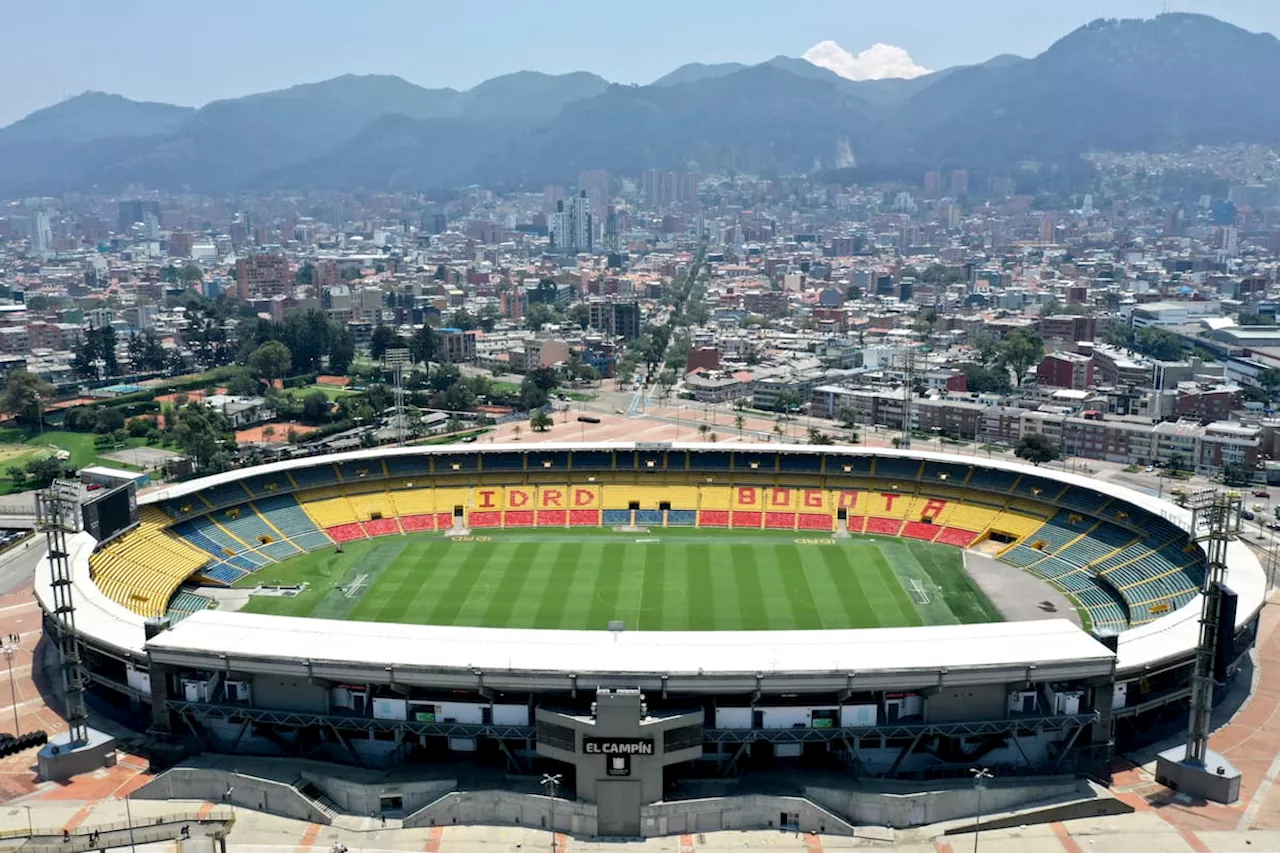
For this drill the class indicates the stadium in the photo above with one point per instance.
(635, 616)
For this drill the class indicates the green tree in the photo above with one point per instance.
(703, 430)
(817, 436)
(383, 339)
(541, 421)
(849, 420)
(204, 434)
(422, 346)
(1036, 449)
(305, 274)
(342, 351)
(24, 396)
(1020, 349)
(1160, 344)
(192, 274)
(272, 360)
(986, 347)
(1269, 380)
(540, 314)
(316, 408)
(243, 384)
(984, 380)
(738, 421)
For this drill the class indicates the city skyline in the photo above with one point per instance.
(437, 48)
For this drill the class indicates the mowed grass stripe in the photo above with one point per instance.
(528, 568)
(842, 571)
(700, 595)
(773, 590)
(963, 597)
(454, 596)
(576, 592)
(651, 616)
(400, 590)
(817, 562)
(752, 609)
(893, 596)
(723, 608)
(557, 589)
(604, 594)
(795, 580)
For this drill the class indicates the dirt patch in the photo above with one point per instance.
(280, 433)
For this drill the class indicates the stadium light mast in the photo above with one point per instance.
(59, 515)
(1194, 769)
(396, 359)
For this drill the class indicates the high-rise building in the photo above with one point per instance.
(41, 233)
(180, 243)
(263, 275)
(571, 226)
(552, 195)
(932, 185)
(134, 211)
(959, 183)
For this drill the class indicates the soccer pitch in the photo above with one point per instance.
(667, 580)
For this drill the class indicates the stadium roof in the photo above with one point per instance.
(1045, 645)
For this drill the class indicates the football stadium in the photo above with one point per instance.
(631, 617)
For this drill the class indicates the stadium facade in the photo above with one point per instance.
(624, 714)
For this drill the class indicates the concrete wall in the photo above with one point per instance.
(507, 809)
(900, 810)
(289, 694)
(977, 702)
(264, 795)
(359, 798)
(674, 818)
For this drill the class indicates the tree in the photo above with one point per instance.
(703, 430)
(268, 431)
(1020, 349)
(422, 346)
(315, 408)
(984, 380)
(203, 433)
(1177, 462)
(272, 360)
(817, 436)
(24, 396)
(383, 339)
(243, 384)
(1160, 344)
(1269, 379)
(342, 351)
(541, 421)
(738, 421)
(1236, 474)
(1036, 449)
(849, 420)
(540, 314)
(515, 432)
(305, 274)
(986, 347)
(192, 274)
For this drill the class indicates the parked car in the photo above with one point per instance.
(1262, 493)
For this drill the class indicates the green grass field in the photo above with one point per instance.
(668, 580)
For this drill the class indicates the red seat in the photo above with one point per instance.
(780, 520)
(956, 536)
(346, 532)
(381, 527)
(519, 518)
(584, 517)
(485, 518)
(746, 518)
(713, 518)
(920, 530)
(884, 526)
(418, 522)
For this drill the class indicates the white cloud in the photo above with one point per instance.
(875, 63)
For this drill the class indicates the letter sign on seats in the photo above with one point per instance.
(517, 498)
(889, 498)
(848, 500)
(780, 498)
(812, 499)
(486, 499)
(746, 496)
(552, 497)
(933, 509)
(584, 498)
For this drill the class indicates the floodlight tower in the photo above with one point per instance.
(1194, 769)
(81, 748)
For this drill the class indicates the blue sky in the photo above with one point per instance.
(191, 53)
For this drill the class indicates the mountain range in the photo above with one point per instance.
(1173, 81)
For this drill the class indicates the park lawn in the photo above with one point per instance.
(665, 580)
(20, 446)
